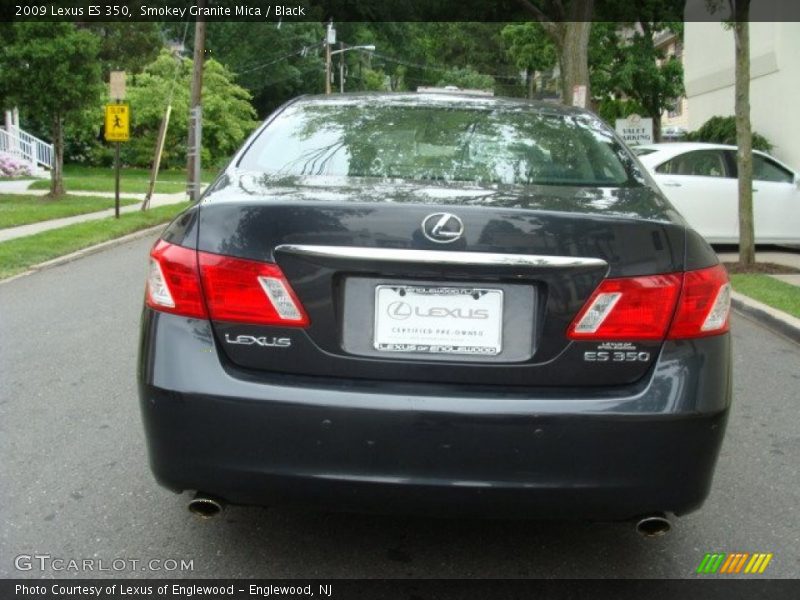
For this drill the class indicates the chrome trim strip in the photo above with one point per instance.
(447, 257)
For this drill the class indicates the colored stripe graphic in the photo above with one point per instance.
(734, 563)
(711, 562)
(758, 563)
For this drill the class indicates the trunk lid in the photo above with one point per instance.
(352, 249)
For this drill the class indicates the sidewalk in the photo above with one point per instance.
(20, 186)
(157, 200)
(17, 186)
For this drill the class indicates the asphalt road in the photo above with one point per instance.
(74, 480)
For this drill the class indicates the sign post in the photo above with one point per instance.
(117, 126)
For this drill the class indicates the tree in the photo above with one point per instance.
(126, 46)
(568, 23)
(642, 73)
(51, 70)
(228, 115)
(739, 22)
(273, 64)
(744, 131)
(531, 49)
(626, 62)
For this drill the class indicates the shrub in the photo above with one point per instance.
(13, 167)
(722, 130)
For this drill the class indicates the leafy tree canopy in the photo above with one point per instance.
(50, 69)
(228, 116)
(126, 46)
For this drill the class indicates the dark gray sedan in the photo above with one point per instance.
(440, 304)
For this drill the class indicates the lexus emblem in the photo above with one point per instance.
(442, 228)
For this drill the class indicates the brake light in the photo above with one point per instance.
(675, 306)
(249, 291)
(204, 285)
(631, 308)
(173, 282)
(705, 304)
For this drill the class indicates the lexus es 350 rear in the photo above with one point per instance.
(439, 304)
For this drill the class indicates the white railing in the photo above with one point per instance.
(28, 147)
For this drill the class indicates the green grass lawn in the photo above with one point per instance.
(777, 294)
(21, 209)
(134, 181)
(20, 254)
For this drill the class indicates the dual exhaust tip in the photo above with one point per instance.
(653, 525)
(206, 506)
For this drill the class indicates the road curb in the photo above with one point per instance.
(87, 251)
(771, 318)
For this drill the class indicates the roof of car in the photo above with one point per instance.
(453, 98)
(684, 146)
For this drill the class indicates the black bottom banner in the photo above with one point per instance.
(410, 589)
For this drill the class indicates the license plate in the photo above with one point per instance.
(438, 320)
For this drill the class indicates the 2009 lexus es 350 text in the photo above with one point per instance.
(441, 304)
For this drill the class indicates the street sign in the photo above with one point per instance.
(116, 84)
(579, 96)
(635, 130)
(117, 123)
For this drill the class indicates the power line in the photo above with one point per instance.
(304, 49)
(177, 65)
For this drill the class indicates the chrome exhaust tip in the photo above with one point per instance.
(205, 506)
(653, 525)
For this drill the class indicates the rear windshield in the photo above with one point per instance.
(440, 143)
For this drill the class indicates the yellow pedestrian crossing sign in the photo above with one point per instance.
(117, 123)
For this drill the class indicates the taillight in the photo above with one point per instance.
(704, 306)
(248, 291)
(183, 281)
(173, 283)
(675, 306)
(630, 308)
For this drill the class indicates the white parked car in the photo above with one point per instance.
(701, 182)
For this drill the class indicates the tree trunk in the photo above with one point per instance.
(744, 133)
(573, 58)
(57, 173)
(531, 83)
(657, 128)
(568, 26)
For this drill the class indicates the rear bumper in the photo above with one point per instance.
(444, 449)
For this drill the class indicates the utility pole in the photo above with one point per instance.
(341, 67)
(330, 38)
(196, 110)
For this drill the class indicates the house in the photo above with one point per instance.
(675, 121)
(36, 154)
(708, 59)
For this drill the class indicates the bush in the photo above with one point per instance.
(467, 78)
(722, 130)
(13, 167)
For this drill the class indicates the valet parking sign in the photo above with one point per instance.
(635, 130)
